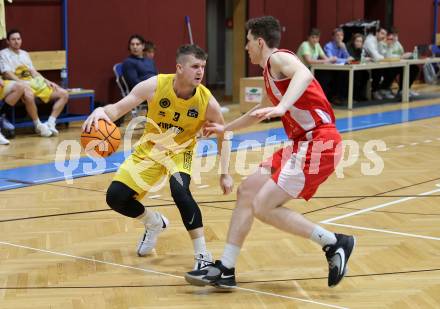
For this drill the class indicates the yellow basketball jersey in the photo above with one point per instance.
(172, 122)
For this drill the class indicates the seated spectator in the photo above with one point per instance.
(382, 78)
(395, 50)
(10, 92)
(136, 67)
(336, 49)
(150, 50)
(355, 49)
(310, 52)
(15, 64)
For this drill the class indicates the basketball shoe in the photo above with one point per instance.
(149, 238)
(202, 259)
(337, 257)
(215, 274)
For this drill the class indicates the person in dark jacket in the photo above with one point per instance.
(137, 67)
(355, 49)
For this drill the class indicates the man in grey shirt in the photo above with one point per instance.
(375, 49)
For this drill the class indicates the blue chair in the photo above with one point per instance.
(120, 81)
(123, 87)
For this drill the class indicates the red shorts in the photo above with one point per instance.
(300, 168)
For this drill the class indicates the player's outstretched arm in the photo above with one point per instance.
(144, 91)
(243, 121)
(285, 65)
(214, 116)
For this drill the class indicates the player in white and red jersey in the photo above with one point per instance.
(292, 172)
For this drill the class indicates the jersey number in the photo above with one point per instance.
(176, 116)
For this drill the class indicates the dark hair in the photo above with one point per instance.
(355, 36)
(190, 49)
(11, 32)
(381, 28)
(136, 36)
(336, 30)
(393, 30)
(149, 46)
(266, 27)
(314, 31)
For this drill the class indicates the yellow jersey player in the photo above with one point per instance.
(178, 106)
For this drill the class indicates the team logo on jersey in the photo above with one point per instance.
(164, 103)
(193, 112)
(162, 113)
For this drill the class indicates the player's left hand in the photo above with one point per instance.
(269, 112)
(226, 183)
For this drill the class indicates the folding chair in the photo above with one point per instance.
(120, 81)
(123, 87)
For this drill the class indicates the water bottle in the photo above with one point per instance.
(363, 56)
(415, 53)
(63, 75)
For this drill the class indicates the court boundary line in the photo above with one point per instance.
(164, 274)
(356, 227)
(354, 213)
(330, 221)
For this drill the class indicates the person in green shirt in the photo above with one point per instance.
(310, 52)
(395, 50)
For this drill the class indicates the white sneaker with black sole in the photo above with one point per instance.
(149, 238)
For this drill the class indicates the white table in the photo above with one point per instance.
(351, 68)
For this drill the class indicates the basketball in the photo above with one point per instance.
(102, 142)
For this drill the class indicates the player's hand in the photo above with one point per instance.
(269, 112)
(213, 128)
(2, 83)
(93, 119)
(51, 84)
(226, 183)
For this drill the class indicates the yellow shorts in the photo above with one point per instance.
(148, 175)
(40, 88)
(8, 84)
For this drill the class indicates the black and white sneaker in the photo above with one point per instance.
(202, 260)
(149, 238)
(337, 257)
(214, 274)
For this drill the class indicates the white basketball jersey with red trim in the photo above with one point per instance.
(308, 112)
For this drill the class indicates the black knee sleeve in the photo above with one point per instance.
(188, 208)
(120, 198)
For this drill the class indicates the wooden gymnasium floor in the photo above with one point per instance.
(61, 247)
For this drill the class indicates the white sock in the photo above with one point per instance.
(230, 255)
(37, 122)
(51, 120)
(199, 245)
(150, 218)
(323, 237)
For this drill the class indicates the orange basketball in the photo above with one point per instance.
(102, 142)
